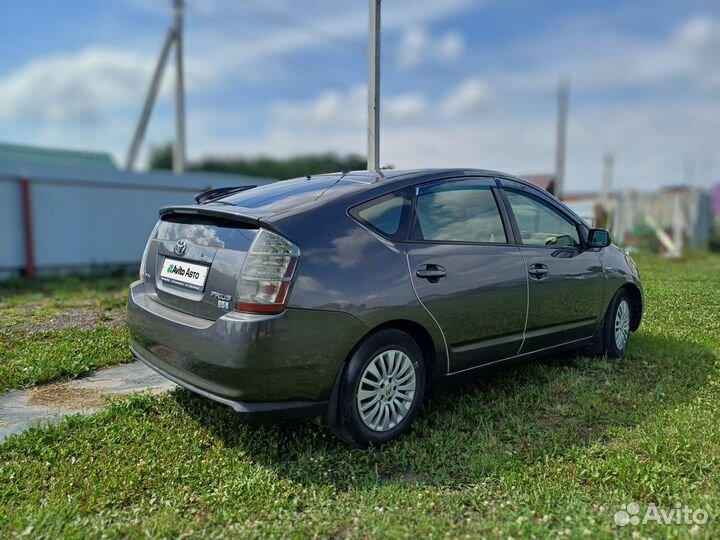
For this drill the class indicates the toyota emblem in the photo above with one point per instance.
(180, 247)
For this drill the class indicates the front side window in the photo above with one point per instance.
(541, 225)
(457, 212)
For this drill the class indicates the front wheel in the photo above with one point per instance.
(382, 389)
(616, 326)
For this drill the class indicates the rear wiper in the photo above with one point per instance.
(212, 194)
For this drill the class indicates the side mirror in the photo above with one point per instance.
(599, 238)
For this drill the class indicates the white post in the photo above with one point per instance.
(562, 113)
(373, 140)
(179, 153)
(678, 222)
(608, 163)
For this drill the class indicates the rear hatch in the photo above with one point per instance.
(195, 258)
(194, 262)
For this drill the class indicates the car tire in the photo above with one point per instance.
(616, 325)
(381, 389)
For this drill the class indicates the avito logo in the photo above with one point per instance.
(180, 271)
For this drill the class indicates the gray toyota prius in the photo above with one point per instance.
(344, 296)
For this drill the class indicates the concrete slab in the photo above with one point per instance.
(50, 403)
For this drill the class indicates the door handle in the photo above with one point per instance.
(538, 271)
(431, 272)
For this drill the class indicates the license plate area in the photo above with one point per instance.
(184, 274)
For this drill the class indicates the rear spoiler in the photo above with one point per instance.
(232, 213)
(212, 194)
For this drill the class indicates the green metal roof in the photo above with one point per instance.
(51, 156)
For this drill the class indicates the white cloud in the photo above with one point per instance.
(342, 108)
(84, 86)
(450, 46)
(417, 47)
(330, 107)
(611, 61)
(412, 48)
(650, 140)
(699, 32)
(349, 107)
(73, 86)
(668, 115)
(471, 96)
(407, 107)
(312, 24)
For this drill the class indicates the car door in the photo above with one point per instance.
(466, 272)
(565, 278)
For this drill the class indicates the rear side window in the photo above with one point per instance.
(458, 212)
(386, 215)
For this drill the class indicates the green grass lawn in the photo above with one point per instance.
(60, 327)
(550, 449)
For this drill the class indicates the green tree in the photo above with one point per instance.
(263, 166)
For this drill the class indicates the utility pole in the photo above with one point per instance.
(179, 154)
(373, 149)
(173, 36)
(607, 178)
(562, 113)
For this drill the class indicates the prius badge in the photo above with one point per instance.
(223, 300)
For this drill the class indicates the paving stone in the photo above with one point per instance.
(50, 403)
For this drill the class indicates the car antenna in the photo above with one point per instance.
(342, 175)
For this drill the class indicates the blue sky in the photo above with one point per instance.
(464, 83)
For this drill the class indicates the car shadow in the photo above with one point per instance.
(498, 421)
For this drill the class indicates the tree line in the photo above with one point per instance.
(263, 166)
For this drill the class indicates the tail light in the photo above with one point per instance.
(143, 261)
(267, 273)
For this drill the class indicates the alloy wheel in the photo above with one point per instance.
(622, 324)
(387, 390)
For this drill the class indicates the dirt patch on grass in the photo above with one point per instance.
(114, 318)
(71, 318)
(66, 396)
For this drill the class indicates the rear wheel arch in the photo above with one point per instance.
(380, 386)
(417, 332)
(420, 335)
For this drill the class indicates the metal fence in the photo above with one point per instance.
(60, 218)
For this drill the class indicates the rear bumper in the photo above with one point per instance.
(260, 365)
(253, 410)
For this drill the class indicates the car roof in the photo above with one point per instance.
(306, 192)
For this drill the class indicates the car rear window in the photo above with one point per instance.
(206, 231)
(290, 194)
